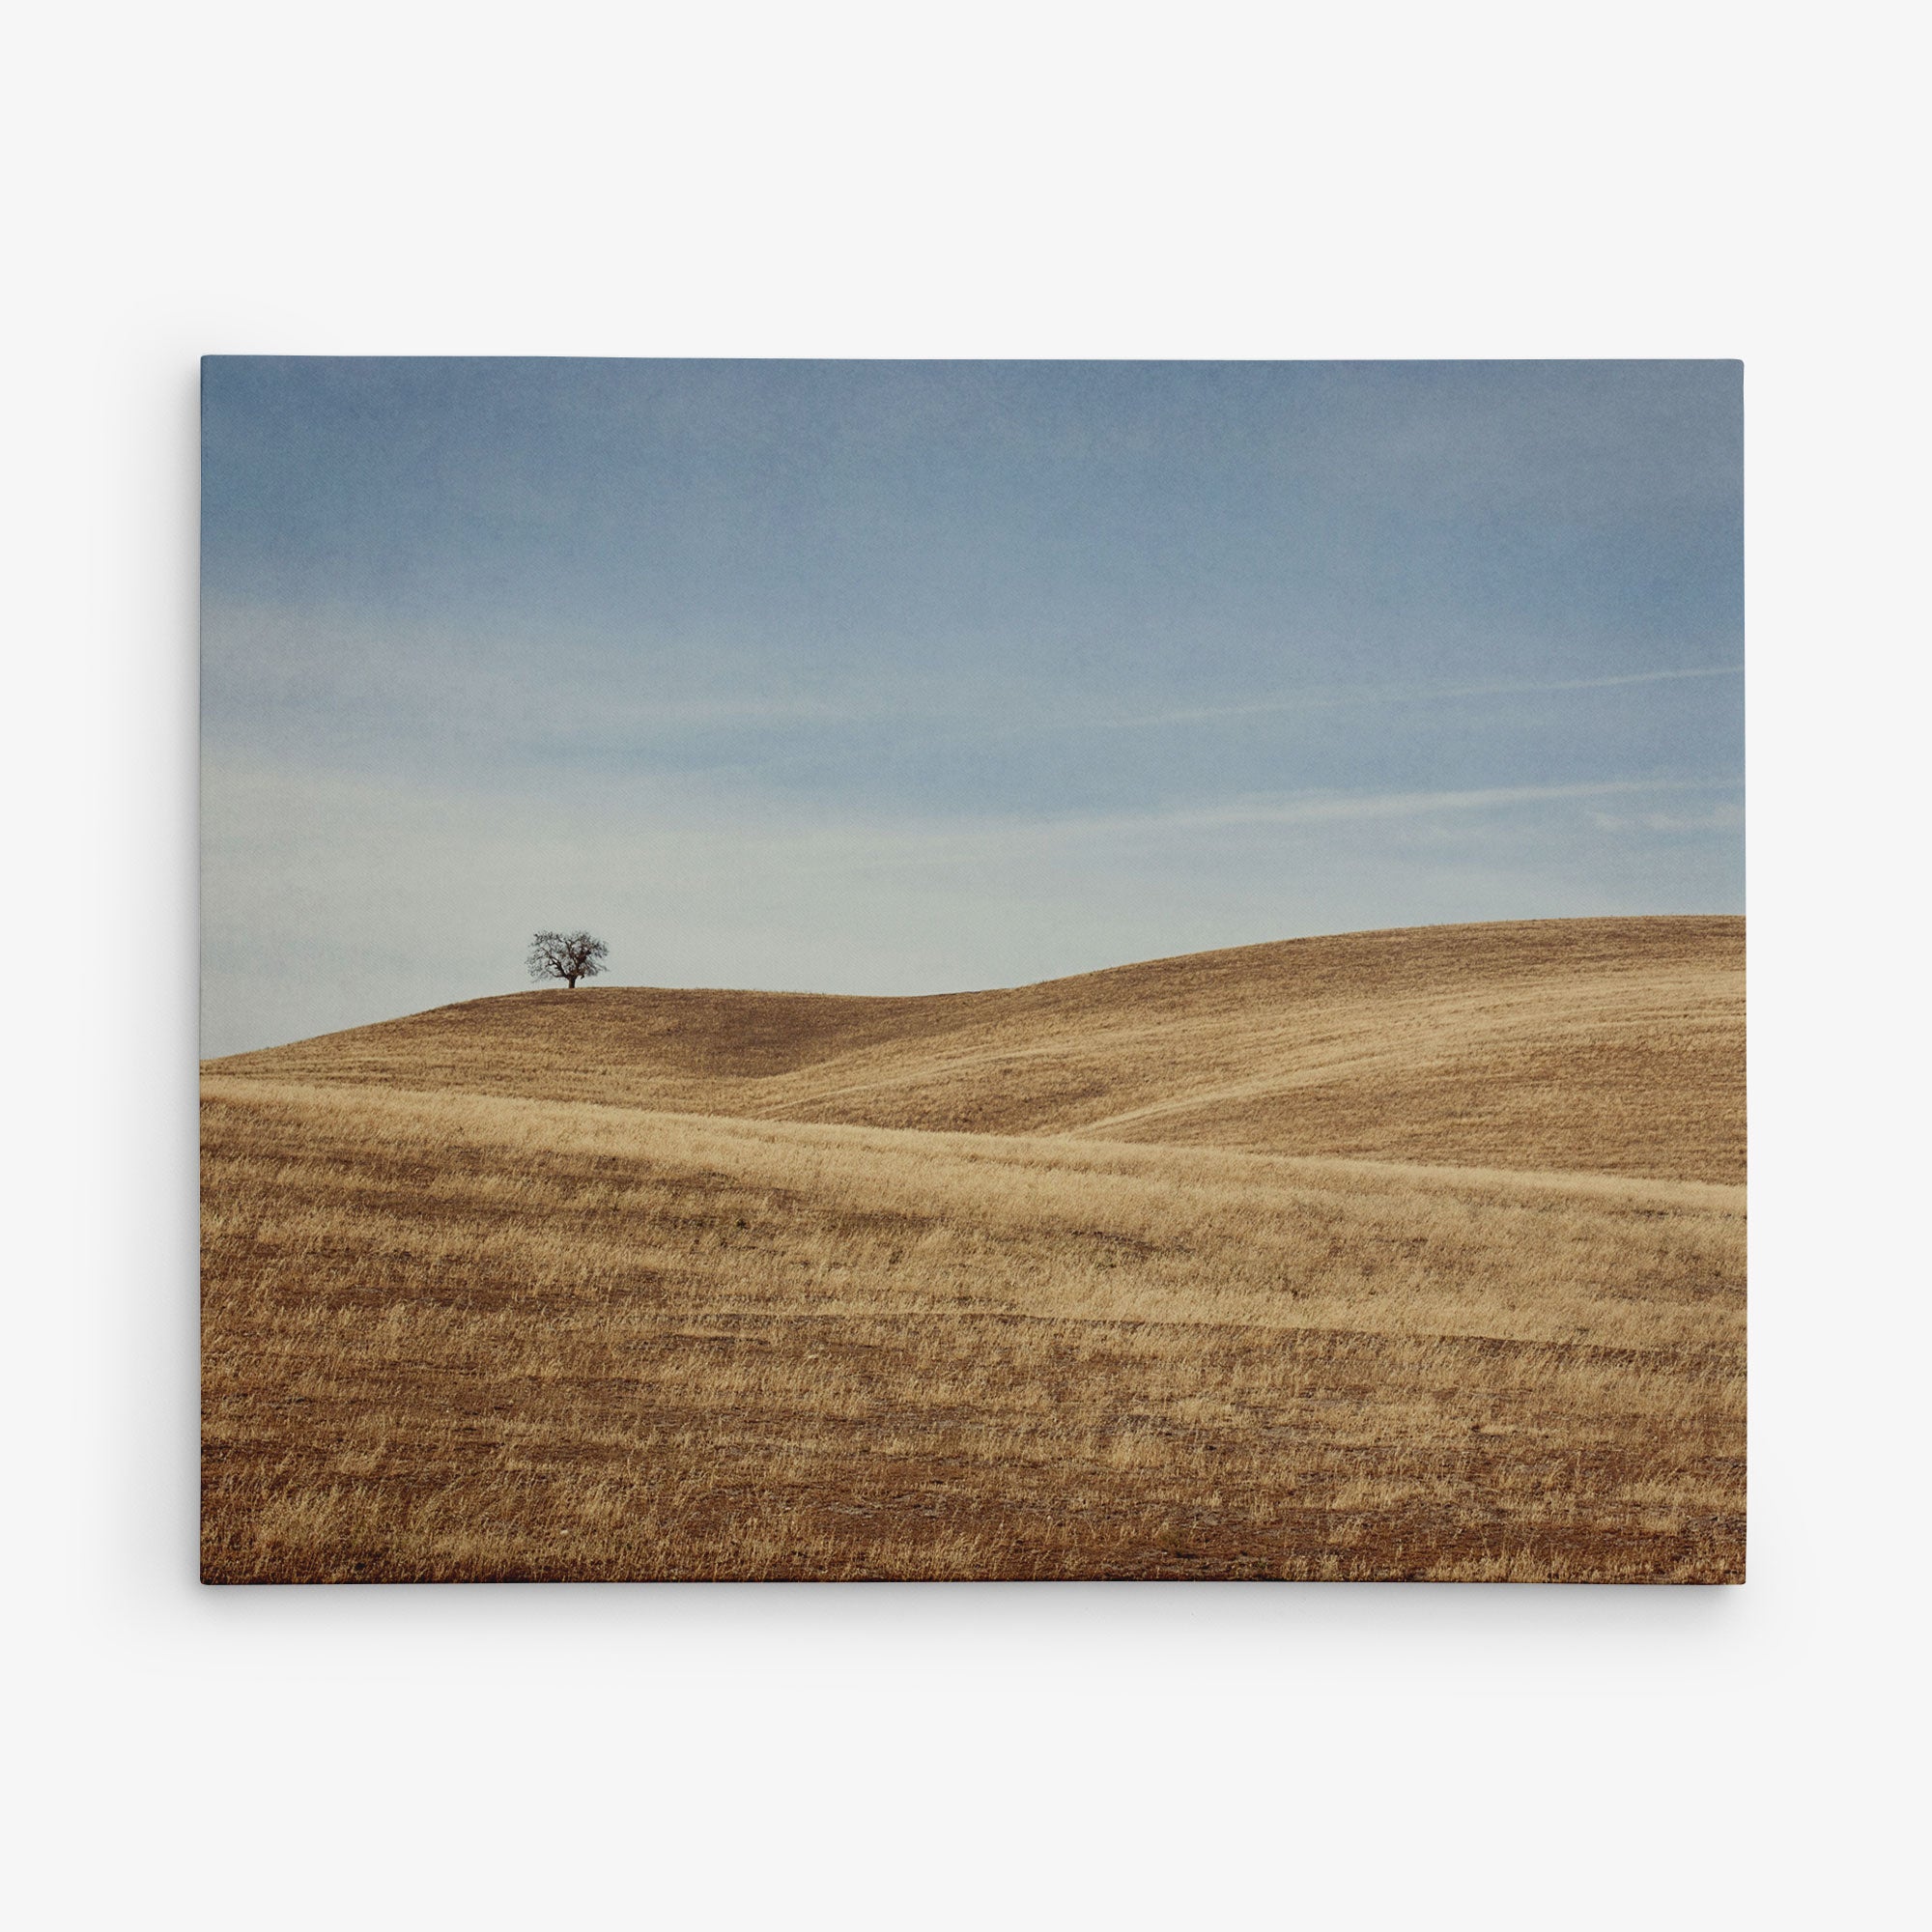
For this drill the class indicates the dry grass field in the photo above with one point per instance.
(1414, 1254)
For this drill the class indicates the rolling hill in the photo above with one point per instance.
(1412, 1253)
(1607, 1045)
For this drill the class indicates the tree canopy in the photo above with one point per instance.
(569, 956)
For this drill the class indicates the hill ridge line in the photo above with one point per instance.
(1610, 1045)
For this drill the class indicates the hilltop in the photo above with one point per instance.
(1601, 1046)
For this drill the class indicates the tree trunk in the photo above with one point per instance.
(570, 981)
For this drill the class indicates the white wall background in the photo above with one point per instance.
(1393, 180)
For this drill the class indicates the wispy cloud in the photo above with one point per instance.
(1726, 816)
(1331, 698)
(704, 811)
(1326, 807)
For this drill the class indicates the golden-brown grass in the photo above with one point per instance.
(1603, 1045)
(451, 1332)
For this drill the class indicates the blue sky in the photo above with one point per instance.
(872, 677)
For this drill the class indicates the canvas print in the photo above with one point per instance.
(863, 970)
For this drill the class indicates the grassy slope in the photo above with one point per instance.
(576, 1286)
(1602, 1045)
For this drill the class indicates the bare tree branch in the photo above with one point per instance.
(569, 956)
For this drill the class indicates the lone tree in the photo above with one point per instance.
(569, 956)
